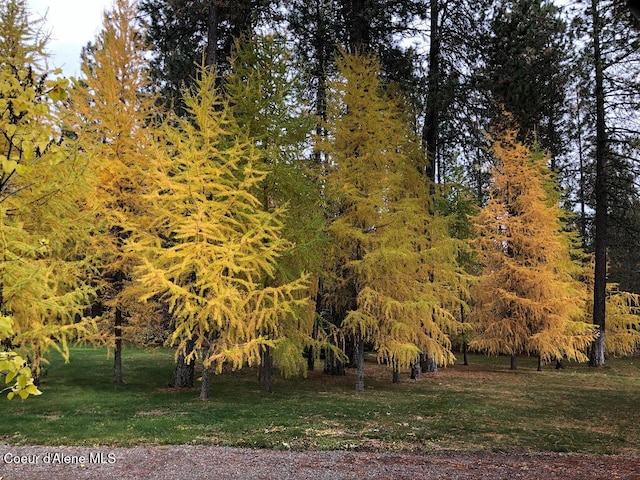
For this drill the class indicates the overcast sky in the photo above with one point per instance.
(71, 23)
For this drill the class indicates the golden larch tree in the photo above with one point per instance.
(394, 273)
(623, 322)
(264, 98)
(527, 302)
(114, 120)
(210, 243)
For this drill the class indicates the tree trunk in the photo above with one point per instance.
(117, 349)
(35, 364)
(465, 345)
(266, 370)
(581, 175)
(514, 362)
(597, 357)
(332, 366)
(465, 351)
(428, 364)
(539, 363)
(359, 355)
(430, 129)
(359, 26)
(395, 377)
(320, 73)
(212, 33)
(185, 372)
(204, 388)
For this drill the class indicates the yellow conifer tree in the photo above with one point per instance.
(261, 92)
(393, 263)
(114, 119)
(211, 244)
(526, 300)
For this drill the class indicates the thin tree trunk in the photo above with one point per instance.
(332, 366)
(415, 370)
(212, 33)
(430, 129)
(36, 366)
(204, 388)
(514, 362)
(266, 370)
(117, 349)
(185, 372)
(465, 345)
(597, 357)
(395, 377)
(539, 363)
(321, 77)
(359, 354)
(582, 197)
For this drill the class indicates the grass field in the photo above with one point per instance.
(482, 407)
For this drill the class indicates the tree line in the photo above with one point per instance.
(271, 183)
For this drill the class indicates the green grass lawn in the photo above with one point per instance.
(481, 407)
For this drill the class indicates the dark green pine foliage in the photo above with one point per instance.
(526, 71)
(184, 33)
(453, 112)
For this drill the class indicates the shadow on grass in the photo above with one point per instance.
(482, 407)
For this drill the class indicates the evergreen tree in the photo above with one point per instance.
(527, 301)
(183, 33)
(210, 244)
(393, 263)
(42, 231)
(526, 73)
(114, 123)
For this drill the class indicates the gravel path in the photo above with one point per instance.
(220, 463)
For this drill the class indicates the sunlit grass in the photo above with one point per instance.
(481, 407)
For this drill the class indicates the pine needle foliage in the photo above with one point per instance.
(210, 244)
(43, 233)
(527, 300)
(392, 260)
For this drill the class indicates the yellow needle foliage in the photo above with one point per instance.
(114, 119)
(264, 97)
(210, 244)
(527, 301)
(623, 322)
(392, 260)
(42, 230)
